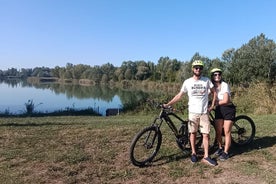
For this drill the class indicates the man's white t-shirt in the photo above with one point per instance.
(197, 91)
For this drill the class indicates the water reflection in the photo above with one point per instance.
(55, 96)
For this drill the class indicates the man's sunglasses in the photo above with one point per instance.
(198, 67)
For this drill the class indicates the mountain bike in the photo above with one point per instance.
(147, 142)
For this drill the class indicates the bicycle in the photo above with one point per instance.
(147, 142)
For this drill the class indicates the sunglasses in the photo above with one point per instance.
(216, 74)
(198, 67)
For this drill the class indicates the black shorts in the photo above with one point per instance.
(226, 112)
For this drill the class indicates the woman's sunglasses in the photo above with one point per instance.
(216, 74)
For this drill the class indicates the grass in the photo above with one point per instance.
(92, 149)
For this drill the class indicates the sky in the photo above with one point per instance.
(49, 33)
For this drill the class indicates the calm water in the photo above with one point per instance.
(52, 97)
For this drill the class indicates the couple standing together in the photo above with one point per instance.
(197, 88)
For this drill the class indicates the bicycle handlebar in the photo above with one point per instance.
(155, 104)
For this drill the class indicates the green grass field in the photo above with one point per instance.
(88, 149)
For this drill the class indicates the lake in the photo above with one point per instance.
(50, 97)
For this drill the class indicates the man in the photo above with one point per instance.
(197, 87)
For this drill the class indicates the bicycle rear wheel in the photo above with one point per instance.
(212, 138)
(243, 130)
(145, 146)
(183, 141)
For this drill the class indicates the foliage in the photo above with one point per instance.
(67, 112)
(259, 98)
(29, 107)
(255, 60)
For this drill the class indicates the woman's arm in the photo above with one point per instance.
(225, 100)
(214, 93)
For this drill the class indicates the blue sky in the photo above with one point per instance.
(55, 32)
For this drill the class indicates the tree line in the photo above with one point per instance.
(253, 61)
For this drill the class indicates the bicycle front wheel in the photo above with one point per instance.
(243, 130)
(145, 146)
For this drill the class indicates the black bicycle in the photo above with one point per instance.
(146, 143)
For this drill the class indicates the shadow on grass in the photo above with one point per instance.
(257, 144)
(170, 158)
(165, 159)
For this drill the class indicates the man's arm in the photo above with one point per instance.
(175, 99)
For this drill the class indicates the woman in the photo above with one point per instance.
(224, 114)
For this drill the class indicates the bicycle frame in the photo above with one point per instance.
(165, 115)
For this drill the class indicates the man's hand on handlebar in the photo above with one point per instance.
(166, 106)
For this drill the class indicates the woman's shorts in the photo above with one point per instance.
(226, 112)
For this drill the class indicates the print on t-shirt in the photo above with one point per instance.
(198, 90)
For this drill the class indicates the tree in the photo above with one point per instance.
(129, 68)
(172, 67)
(128, 74)
(118, 75)
(78, 70)
(184, 72)
(56, 72)
(227, 59)
(108, 70)
(24, 73)
(96, 74)
(143, 71)
(11, 72)
(152, 71)
(254, 61)
(41, 72)
(272, 73)
(104, 79)
(162, 67)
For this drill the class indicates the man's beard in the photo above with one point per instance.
(198, 75)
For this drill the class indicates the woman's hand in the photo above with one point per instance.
(210, 108)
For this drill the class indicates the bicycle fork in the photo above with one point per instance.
(150, 141)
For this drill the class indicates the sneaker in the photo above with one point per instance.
(209, 161)
(223, 156)
(194, 158)
(219, 152)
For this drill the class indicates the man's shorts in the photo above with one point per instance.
(199, 121)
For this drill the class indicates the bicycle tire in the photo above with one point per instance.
(145, 145)
(243, 130)
(183, 139)
(213, 145)
(183, 142)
